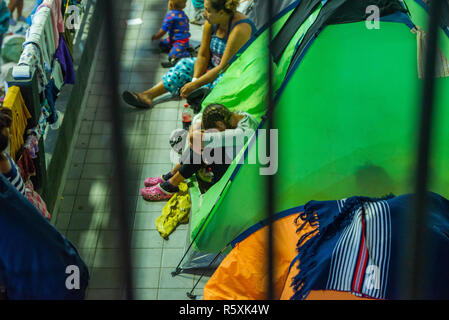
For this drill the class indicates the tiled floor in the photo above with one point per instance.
(83, 211)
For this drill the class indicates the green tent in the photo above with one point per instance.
(347, 102)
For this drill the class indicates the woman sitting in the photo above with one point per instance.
(225, 32)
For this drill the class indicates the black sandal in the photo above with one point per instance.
(133, 99)
(170, 63)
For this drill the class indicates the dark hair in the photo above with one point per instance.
(213, 113)
(5, 122)
(229, 6)
(179, 4)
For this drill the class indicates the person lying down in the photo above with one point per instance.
(216, 136)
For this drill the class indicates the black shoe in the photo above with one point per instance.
(170, 63)
(193, 51)
(197, 96)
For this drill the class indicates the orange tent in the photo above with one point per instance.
(243, 273)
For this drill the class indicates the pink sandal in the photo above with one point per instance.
(155, 193)
(149, 182)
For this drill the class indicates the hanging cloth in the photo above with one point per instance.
(51, 94)
(56, 18)
(20, 116)
(57, 74)
(32, 57)
(65, 59)
(441, 60)
(41, 34)
(175, 212)
(68, 37)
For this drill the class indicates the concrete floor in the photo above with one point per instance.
(83, 211)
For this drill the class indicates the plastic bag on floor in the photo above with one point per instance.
(175, 212)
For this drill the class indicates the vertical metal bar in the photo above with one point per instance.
(270, 178)
(416, 259)
(190, 294)
(120, 200)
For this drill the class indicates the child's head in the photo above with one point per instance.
(5, 123)
(216, 116)
(177, 4)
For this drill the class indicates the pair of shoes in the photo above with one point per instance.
(155, 193)
(149, 182)
(133, 99)
(170, 63)
(196, 97)
(22, 19)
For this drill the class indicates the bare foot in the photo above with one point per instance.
(145, 98)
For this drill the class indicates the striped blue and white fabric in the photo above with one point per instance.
(351, 260)
(357, 246)
(15, 178)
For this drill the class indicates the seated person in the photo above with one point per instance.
(225, 32)
(217, 132)
(176, 23)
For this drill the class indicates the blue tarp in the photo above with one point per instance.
(36, 260)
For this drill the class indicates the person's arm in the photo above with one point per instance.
(158, 35)
(195, 130)
(5, 165)
(166, 26)
(229, 137)
(203, 58)
(238, 37)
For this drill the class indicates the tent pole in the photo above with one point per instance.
(270, 177)
(178, 268)
(416, 256)
(120, 178)
(190, 294)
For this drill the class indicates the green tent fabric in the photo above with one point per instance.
(12, 48)
(348, 122)
(250, 65)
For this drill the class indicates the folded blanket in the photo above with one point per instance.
(358, 244)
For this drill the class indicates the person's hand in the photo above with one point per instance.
(187, 89)
(154, 37)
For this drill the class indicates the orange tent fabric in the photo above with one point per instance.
(243, 273)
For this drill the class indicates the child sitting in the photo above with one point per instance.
(176, 23)
(224, 142)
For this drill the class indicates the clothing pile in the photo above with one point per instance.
(175, 212)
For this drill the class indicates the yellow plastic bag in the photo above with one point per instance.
(175, 212)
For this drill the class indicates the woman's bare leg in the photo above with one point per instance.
(12, 6)
(148, 96)
(19, 9)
